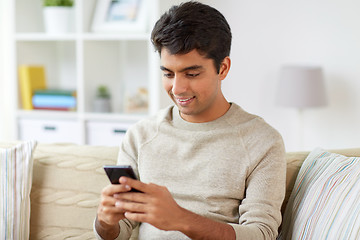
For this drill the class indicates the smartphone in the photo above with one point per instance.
(114, 172)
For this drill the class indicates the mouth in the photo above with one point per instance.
(184, 101)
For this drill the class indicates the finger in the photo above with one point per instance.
(136, 197)
(110, 215)
(112, 210)
(135, 216)
(131, 206)
(111, 206)
(107, 201)
(108, 206)
(112, 189)
(133, 183)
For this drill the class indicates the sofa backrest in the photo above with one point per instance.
(67, 181)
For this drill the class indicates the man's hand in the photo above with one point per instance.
(154, 205)
(108, 216)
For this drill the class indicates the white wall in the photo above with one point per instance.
(268, 34)
(2, 113)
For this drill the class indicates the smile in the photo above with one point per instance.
(184, 101)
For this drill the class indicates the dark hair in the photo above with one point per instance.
(193, 25)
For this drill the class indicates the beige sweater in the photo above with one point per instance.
(230, 170)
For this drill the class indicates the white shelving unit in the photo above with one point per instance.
(83, 60)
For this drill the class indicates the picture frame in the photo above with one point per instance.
(120, 16)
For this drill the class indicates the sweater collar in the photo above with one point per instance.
(220, 122)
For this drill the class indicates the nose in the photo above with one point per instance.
(180, 85)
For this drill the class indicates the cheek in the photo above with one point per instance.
(206, 87)
(166, 84)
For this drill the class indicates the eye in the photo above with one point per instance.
(168, 75)
(192, 75)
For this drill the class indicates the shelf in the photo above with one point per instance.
(115, 36)
(45, 37)
(41, 114)
(83, 60)
(84, 116)
(114, 117)
(84, 36)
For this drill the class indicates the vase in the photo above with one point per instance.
(102, 105)
(58, 19)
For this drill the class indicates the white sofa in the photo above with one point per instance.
(68, 178)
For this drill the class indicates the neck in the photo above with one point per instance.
(214, 113)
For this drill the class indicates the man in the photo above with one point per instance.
(207, 168)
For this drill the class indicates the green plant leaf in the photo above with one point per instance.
(59, 3)
(103, 92)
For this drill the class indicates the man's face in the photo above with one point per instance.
(194, 85)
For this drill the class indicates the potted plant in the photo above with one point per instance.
(58, 16)
(102, 100)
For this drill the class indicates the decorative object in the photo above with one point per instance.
(301, 87)
(324, 203)
(16, 172)
(138, 102)
(102, 101)
(120, 16)
(58, 16)
(31, 78)
(54, 99)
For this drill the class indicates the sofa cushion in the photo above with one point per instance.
(324, 200)
(67, 183)
(16, 165)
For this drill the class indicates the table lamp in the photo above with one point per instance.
(301, 87)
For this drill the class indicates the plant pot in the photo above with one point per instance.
(102, 105)
(58, 19)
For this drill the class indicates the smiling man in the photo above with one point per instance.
(207, 168)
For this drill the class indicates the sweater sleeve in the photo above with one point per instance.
(127, 156)
(125, 231)
(260, 210)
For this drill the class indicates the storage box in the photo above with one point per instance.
(105, 133)
(50, 131)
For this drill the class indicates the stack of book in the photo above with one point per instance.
(54, 99)
(36, 95)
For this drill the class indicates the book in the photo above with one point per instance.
(53, 108)
(56, 92)
(31, 78)
(53, 101)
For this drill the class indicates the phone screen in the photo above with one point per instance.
(116, 171)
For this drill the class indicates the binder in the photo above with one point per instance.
(31, 78)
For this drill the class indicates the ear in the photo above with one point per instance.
(224, 68)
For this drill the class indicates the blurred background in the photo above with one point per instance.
(267, 35)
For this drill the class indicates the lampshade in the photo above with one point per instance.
(301, 87)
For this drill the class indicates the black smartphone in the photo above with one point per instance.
(114, 172)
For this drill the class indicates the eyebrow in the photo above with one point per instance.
(194, 67)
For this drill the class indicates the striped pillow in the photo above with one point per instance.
(16, 166)
(325, 201)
